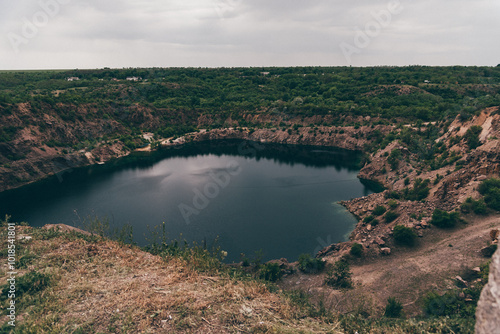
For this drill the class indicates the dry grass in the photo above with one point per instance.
(104, 287)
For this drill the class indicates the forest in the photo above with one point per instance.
(412, 92)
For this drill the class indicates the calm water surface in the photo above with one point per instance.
(275, 198)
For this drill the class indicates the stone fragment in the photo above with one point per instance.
(461, 281)
(385, 251)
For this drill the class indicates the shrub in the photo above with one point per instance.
(307, 264)
(271, 272)
(390, 216)
(369, 218)
(471, 205)
(419, 191)
(356, 250)
(407, 181)
(393, 309)
(472, 136)
(339, 276)
(379, 210)
(393, 204)
(444, 219)
(491, 190)
(393, 194)
(394, 158)
(404, 235)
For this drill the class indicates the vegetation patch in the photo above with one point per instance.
(356, 250)
(308, 264)
(490, 189)
(393, 309)
(474, 206)
(445, 219)
(379, 210)
(339, 276)
(404, 235)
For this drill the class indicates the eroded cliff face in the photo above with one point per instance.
(488, 308)
(47, 141)
(449, 185)
(342, 137)
(45, 144)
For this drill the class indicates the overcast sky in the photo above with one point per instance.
(51, 34)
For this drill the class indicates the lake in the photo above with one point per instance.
(276, 198)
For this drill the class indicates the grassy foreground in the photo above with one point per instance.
(72, 282)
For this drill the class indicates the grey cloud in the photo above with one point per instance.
(94, 33)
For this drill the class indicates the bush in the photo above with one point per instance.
(444, 219)
(472, 136)
(404, 235)
(356, 250)
(307, 264)
(394, 158)
(271, 272)
(393, 204)
(491, 190)
(407, 181)
(379, 210)
(393, 309)
(471, 205)
(339, 276)
(369, 218)
(390, 216)
(419, 192)
(393, 194)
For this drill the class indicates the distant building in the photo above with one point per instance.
(264, 73)
(73, 79)
(134, 78)
(427, 81)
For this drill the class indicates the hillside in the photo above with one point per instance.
(433, 145)
(49, 124)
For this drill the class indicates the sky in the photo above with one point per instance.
(68, 34)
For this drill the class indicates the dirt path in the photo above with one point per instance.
(407, 274)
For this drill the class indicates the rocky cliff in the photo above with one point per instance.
(488, 308)
(36, 143)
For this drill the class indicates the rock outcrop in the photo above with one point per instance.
(488, 308)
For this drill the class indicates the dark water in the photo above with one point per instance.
(281, 199)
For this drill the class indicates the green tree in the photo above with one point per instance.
(339, 276)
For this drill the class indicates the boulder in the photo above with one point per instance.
(385, 251)
(488, 307)
(379, 241)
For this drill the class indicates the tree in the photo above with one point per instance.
(339, 276)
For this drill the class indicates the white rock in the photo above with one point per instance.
(488, 307)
